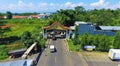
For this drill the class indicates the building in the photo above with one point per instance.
(18, 17)
(40, 16)
(56, 30)
(27, 62)
(88, 27)
(36, 16)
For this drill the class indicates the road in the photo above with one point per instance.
(63, 57)
(98, 59)
(60, 58)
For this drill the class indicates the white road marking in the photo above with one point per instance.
(55, 59)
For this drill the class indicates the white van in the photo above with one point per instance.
(114, 54)
(52, 48)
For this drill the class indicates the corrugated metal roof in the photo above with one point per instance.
(17, 63)
(72, 27)
(81, 22)
(13, 63)
(110, 27)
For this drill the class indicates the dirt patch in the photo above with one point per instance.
(96, 56)
(7, 26)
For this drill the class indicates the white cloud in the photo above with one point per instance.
(22, 6)
(100, 2)
(115, 6)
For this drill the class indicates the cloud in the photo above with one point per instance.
(100, 3)
(22, 6)
(115, 6)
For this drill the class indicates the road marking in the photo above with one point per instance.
(83, 60)
(55, 59)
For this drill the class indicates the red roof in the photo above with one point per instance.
(6, 26)
(17, 16)
(34, 16)
(1, 16)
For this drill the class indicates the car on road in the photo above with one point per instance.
(52, 48)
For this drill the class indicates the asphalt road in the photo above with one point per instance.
(63, 57)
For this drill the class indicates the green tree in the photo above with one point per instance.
(90, 40)
(26, 39)
(66, 17)
(96, 41)
(84, 40)
(76, 40)
(104, 43)
(1, 32)
(79, 9)
(116, 43)
(9, 15)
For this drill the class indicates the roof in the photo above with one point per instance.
(110, 27)
(17, 16)
(1, 16)
(34, 16)
(57, 25)
(72, 27)
(17, 51)
(81, 22)
(17, 63)
(115, 50)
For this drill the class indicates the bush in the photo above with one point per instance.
(42, 42)
(3, 52)
(72, 47)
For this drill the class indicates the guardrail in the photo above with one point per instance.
(24, 56)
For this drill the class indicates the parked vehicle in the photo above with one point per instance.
(114, 54)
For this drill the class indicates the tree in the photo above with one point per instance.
(1, 32)
(66, 17)
(84, 40)
(105, 43)
(76, 40)
(9, 15)
(116, 43)
(79, 13)
(90, 40)
(96, 41)
(79, 9)
(26, 39)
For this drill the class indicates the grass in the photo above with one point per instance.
(72, 47)
(3, 52)
(17, 27)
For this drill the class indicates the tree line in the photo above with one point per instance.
(102, 42)
(98, 16)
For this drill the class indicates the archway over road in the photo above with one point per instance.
(56, 30)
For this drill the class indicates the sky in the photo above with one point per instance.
(18, 6)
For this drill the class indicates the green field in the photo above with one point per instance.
(16, 28)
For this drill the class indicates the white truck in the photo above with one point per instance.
(114, 54)
(52, 48)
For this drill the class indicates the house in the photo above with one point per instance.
(18, 17)
(42, 16)
(88, 27)
(3, 17)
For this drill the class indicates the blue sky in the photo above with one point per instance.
(53, 5)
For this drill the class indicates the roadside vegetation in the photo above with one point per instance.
(102, 42)
(20, 33)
